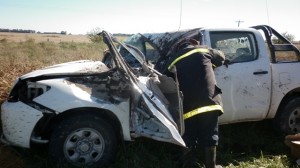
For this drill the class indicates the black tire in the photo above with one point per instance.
(83, 140)
(288, 118)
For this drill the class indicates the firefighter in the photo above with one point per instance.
(202, 105)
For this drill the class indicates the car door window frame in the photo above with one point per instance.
(237, 46)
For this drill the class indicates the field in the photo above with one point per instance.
(22, 37)
(242, 145)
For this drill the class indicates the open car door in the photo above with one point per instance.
(156, 108)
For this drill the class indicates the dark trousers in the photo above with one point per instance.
(202, 130)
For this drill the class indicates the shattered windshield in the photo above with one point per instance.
(124, 53)
(130, 58)
(132, 55)
(157, 47)
(139, 41)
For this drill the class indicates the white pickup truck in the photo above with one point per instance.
(260, 80)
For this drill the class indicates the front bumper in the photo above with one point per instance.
(18, 122)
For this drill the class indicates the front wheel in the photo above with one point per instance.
(288, 118)
(83, 141)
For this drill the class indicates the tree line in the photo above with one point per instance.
(30, 31)
(17, 30)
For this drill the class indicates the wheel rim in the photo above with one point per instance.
(294, 121)
(84, 146)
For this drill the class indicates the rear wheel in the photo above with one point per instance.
(83, 141)
(288, 119)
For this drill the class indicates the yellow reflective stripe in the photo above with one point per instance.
(201, 50)
(202, 110)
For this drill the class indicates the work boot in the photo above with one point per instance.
(210, 157)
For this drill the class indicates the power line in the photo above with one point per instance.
(239, 22)
(180, 15)
(267, 12)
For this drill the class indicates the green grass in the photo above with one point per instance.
(253, 144)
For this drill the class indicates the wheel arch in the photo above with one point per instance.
(45, 126)
(288, 97)
(277, 120)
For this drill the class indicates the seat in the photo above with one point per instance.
(242, 51)
(242, 55)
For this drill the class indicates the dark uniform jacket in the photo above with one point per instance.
(194, 67)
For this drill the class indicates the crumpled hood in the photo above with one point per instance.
(82, 66)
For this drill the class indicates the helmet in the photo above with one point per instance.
(185, 42)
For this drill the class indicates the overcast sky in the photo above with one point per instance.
(147, 16)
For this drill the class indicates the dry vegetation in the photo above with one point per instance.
(30, 53)
(21, 37)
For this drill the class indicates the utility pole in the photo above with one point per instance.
(239, 22)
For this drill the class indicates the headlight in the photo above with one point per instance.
(27, 91)
(35, 89)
